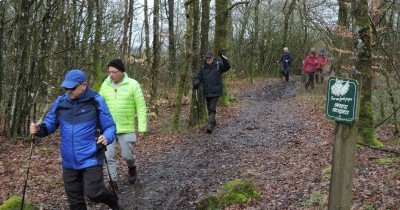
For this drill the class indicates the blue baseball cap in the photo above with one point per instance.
(73, 78)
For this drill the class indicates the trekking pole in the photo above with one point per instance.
(197, 107)
(103, 149)
(32, 139)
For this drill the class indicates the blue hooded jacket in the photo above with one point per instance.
(79, 120)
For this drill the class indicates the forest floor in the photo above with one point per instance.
(277, 133)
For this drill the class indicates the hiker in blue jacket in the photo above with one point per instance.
(210, 76)
(81, 113)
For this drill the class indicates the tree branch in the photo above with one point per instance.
(188, 2)
(381, 148)
(237, 4)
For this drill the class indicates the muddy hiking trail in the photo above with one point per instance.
(277, 134)
(251, 143)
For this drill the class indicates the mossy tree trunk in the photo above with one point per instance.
(341, 42)
(364, 66)
(221, 36)
(97, 63)
(189, 11)
(198, 111)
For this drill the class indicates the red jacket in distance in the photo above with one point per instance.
(322, 60)
(310, 63)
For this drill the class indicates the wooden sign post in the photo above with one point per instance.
(341, 105)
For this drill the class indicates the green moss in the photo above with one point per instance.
(373, 142)
(314, 200)
(326, 172)
(386, 160)
(238, 191)
(14, 203)
(208, 202)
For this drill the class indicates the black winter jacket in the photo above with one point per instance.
(210, 77)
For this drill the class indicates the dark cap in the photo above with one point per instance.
(118, 64)
(73, 78)
(209, 54)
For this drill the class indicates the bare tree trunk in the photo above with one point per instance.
(147, 33)
(97, 63)
(87, 31)
(18, 109)
(239, 53)
(171, 42)
(287, 13)
(156, 57)
(127, 21)
(255, 59)
(2, 46)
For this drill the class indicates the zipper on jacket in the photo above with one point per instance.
(73, 128)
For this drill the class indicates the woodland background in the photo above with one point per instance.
(162, 45)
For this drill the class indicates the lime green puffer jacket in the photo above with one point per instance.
(124, 102)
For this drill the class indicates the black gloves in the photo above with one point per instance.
(221, 54)
(196, 83)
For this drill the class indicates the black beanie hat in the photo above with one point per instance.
(117, 63)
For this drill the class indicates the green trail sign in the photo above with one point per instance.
(341, 99)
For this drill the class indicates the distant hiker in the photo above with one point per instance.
(210, 76)
(322, 60)
(285, 60)
(309, 67)
(79, 113)
(125, 99)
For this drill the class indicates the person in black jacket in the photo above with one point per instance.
(285, 60)
(210, 76)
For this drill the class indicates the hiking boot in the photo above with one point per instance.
(114, 205)
(210, 128)
(132, 174)
(112, 185)
(211, 122)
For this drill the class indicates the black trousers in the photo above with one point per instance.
(88, 181)
(285, 72)
(212, 104)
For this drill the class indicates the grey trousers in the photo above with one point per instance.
(126, 143)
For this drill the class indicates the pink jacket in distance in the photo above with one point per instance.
(322, 61)
(310, 63)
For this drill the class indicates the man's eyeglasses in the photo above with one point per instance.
(72, 89)
(208, 57)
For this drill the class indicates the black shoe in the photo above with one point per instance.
(210, 128)
(132, 175)
(112, 185)
(114, 202)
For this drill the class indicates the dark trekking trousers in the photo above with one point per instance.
(212, 110)
(285, 72)
(88, 181)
